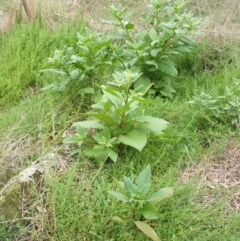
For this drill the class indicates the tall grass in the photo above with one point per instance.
(24, 51)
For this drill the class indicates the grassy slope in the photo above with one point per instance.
(77, 204)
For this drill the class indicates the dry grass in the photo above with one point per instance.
(14, 152)
(55, 11)
(218, 177)
(51, 11)
(220, 18)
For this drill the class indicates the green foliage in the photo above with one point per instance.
(115, 120)
(142, 203)
(224, 108)
(137, 194)
(3, 233)
(82, 64)
(70, 202)
(149, 51)
(147, 230)
(166, 33)
(211, 56)
(23, 51)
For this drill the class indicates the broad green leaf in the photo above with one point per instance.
(154, 52)
(94, 124)
(154, 124)
(129, 26)
(123, 34)
(73, 140)
(167, 66)
(187, 40)
(167, 91)
(99, 138)
(154, 35)
(62, 84)
(74, 74)
(88, 90)
(80, 132)
(110, 90)
(130, 187)
(149, 211)
(181, 49)
(147, 230)
(140, 37)
(160, 195)
(119, 196)
(120, 185)
(100, 116)
(143, 84)
(100, 153)
(113, 155)
(144, 178)
(133, 61)
(153, 63)
(143, 190)
(78, 138)
(117, 35)
(114, 100)
(106, 133)
(135, 138)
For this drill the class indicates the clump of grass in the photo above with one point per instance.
(27, 48)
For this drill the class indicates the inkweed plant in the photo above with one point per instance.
(115, 120)
(82, 63)
(167, 32)
(140, 200)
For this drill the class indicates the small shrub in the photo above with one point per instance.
(149, 51)
(167, 33)
(82, 64)
(115, 120)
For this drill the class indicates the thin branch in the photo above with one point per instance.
(26, 8)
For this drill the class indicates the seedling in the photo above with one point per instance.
(141, 201)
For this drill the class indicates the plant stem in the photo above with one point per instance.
(125, 102)
(99, 170)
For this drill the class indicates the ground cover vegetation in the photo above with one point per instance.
(144, 101)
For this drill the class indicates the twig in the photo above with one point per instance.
(188, 153)
(26, 8)
(16, 220)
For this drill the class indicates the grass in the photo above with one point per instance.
(71, 202)
(27, 48)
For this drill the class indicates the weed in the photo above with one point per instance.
(224, 108)
(149, 51)
(141, 202)
(82, 64)
(167, 33)
(115, 121)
